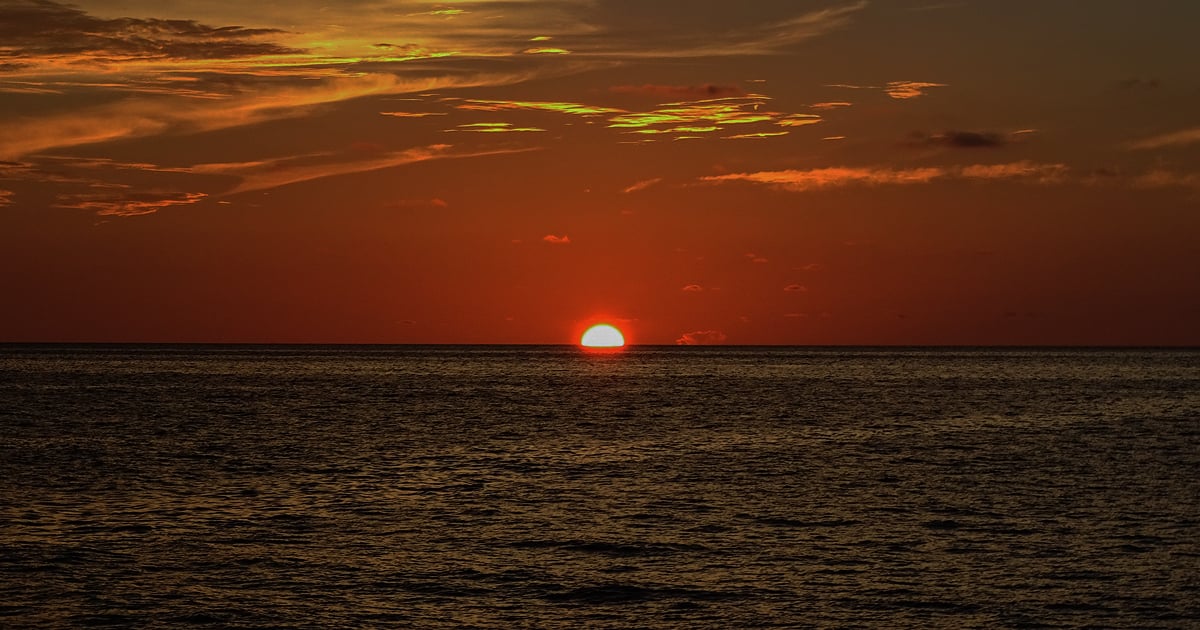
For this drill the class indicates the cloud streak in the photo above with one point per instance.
(1172, 139)
(274, 173)
(837, 177)
(702, 338)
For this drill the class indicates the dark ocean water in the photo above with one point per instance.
(543, 487)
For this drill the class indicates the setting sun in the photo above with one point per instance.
(602, 336)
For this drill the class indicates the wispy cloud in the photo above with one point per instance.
(692, 288)
(814, 179)
(273, 173)
(557, 240)
(642, 185)
(132, 118)
(1167, 179)
(494, 127)
(413, 114)
(1172, 139)
(909, 89)
(578, 109)
(757, 136)
(678, 92)
(702, 338)
(901, 90)
(6, 197)
(125, 203)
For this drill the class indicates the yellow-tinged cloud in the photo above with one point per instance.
(543, 106)
(896, 89)
(494, 127)
(704, 116)
(412, 114)
(546, 51)
(814, 179)
(909, 89)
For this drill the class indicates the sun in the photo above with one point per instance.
(602, 336)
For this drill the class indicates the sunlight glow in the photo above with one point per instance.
(602, 336)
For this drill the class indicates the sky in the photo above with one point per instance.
(872, 172)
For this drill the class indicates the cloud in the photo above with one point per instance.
(680, 92)
(1167, 179)
(756, 259)
(418, 203)
(708, 116)
(136, 117)
(795, 180)
(578, 109)
(896, 89)
(44, 32)
(557, 240)
(692, 288)
(908, 89)
(412, 114)
(795, 288)
(494, 127)
(701, 338)
(273, 173)
(961, 139)
(642, 185)
(831, 105)
(126, 203)
(819, 178)
(1023, 169)
(756, 136)
(6, 198)
(1174, 138)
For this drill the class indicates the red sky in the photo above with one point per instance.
(776, 172)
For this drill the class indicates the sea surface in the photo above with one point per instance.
(548, 487)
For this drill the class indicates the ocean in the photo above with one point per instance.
(549, 487)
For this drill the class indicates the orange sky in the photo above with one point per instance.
(775, 172)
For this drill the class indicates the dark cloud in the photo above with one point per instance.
(683, 92)
(42, 28)
(701, 338)
(960, 139)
